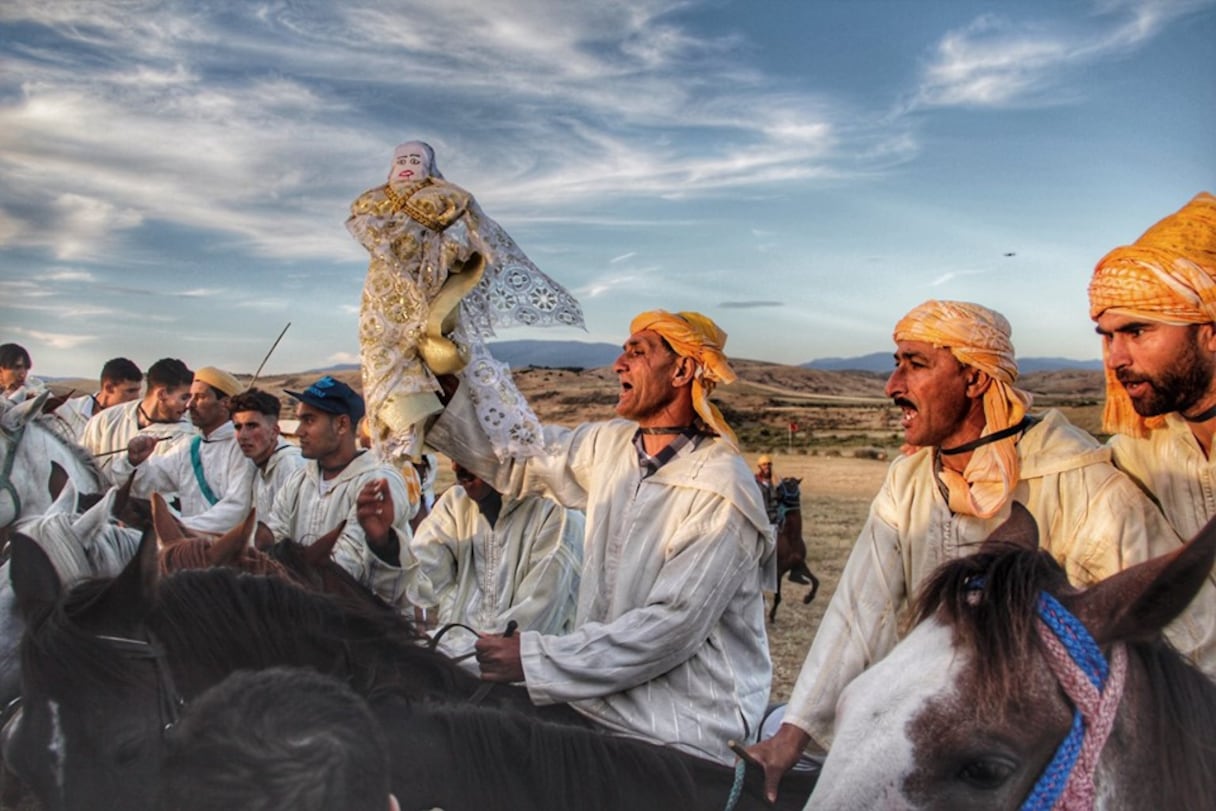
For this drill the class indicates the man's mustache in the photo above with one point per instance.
(1127, 378)
(904, 402)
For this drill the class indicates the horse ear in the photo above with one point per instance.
(122, 496)
(168, 530)
(129, 596)
(65, 501)
(52, 403)
(1020, 530)
(93, 520)
(1141, 600)
(228, 547)
(36, 584)
(57, 480)
(320, 550)
(23, 412)
(263, 538)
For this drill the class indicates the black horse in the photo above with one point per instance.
(107, 666)
(461, 757)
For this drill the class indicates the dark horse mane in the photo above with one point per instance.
(222, 621)
(998, 623)
(473, 757)
(325, 575)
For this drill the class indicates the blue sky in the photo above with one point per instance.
(174, 176)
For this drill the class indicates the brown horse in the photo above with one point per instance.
(1016, 690)
(791, 548)
(310, 567)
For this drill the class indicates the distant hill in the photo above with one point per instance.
(555, 354)
(881, 362)
(874, 362)
(1028, 365)
(586, 355)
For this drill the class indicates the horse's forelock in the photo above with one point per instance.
(990, 600)
(62, 653)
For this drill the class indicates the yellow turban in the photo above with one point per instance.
(1167, 275)
(219, 379)
(692, 335)
(977, 337)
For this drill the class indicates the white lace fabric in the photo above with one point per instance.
(409, 264)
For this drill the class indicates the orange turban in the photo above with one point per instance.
(977, 337)
(692, 335)
(1167, 275)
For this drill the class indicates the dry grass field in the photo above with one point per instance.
(844, 431)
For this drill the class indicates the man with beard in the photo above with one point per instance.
(668, 642)
(160, 413)
(972, 450)
(1155, 303)
(209, 473)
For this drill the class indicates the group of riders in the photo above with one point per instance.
(620, 566)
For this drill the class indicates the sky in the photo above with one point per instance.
(175, 176)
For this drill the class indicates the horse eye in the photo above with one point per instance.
(986, 773)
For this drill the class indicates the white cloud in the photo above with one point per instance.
(159, 128)
(954, 274)
(69, 275)
(995, 61)
(58, 340)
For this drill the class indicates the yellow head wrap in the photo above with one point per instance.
(977, 337)
(692, 335)
(1167, 275)
(219, 379)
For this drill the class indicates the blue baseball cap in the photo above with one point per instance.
(333, 397)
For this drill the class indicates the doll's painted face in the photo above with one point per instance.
(410, 164)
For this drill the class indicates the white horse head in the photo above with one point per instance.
(90, 544)
(36, 460)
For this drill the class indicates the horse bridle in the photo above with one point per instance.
(1095, 688)
(169, 700)
(433, 643)
(6, 473)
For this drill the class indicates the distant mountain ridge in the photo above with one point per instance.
(588, 355)
(882, 362)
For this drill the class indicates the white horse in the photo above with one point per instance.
(37, 459)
